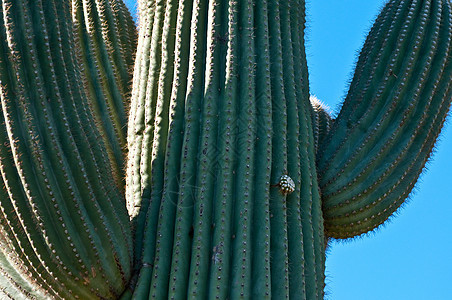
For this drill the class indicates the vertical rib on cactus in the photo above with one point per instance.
(245, 124)
(393, 113)
(310, 206)
(226, 36)
(278, 210)
(63, 217)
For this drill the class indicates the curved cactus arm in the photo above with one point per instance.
(141, 126)
(12, 284)
(220, 112)
(61, 212)
(106, 38)
(392, 115)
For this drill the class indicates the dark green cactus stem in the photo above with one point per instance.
(321, 121)
(216, 205)
(236, 178)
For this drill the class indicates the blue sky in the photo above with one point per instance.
(410, 257)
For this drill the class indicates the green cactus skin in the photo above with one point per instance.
(220, 111)
(63, 225)
(391, 118)
(236, 124)
(107, 36)
(321, 122)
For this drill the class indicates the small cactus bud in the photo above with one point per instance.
(286, 184)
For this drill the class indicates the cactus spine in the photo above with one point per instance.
(220, 124)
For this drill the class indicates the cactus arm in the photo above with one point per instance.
(390, 120)
(106, 42)
(14, 233)
(63, 217)
(13, 285)
(261, 282)
(137, 189)
(26, 142)
(136, 205)
(215, 201)
(309, 208)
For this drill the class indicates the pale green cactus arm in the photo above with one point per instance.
(394, 111)
(106, 44)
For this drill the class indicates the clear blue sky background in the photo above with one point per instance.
(411, 257)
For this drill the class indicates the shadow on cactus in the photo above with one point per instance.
(228, 181)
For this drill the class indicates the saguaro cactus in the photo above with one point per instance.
(235, 178)
(64, 226)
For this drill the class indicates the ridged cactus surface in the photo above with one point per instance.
(235, 177)
(63, 224)
(387, 127)
(106, 39)
(223, 115)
